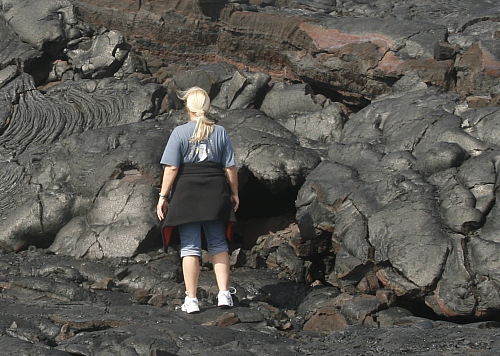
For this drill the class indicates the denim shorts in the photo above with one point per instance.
(215, 234)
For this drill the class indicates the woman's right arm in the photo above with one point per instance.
(169, 174)
(232, 177)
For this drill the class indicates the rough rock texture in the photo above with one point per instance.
(56, 305)
(356, 49)
(267, 150)
(377, 180)
(14, 50)
(366, 139)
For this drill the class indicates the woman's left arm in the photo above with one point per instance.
(169, 174)
(232, 177)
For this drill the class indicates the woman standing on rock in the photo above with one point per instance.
(198, 164)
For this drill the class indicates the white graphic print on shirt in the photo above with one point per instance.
(198, 151)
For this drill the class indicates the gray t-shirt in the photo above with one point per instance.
(179, 150)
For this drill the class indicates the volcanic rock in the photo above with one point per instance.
(365, 136)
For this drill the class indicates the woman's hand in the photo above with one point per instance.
(236, 201)
(161, 208)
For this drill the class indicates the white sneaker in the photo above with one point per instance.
(190, 305)
(224, 299)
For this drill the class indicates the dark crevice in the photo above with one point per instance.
(150, 242)
(211, 9)
(39, 68)
(45, 242)
(46, 239)
(417, 308)
(259, 205)
(352, 104)
(257, 201)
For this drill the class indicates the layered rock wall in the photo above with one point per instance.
(358, 56)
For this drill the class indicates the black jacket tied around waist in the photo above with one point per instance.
(200, 193)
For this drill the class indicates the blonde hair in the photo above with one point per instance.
(198, 102)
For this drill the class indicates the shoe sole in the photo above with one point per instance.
(224, 306)
(190, 311)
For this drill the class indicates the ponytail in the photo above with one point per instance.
(198, 102)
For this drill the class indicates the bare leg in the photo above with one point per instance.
(221, 269)
(191, 272)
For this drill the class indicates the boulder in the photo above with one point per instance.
(478, 67)
(100, 58)
(482, 123)
(401, 232)
(68, 191)
(457, 203)
(243, 90)
(324, 126)
(13, 49)
(478, 174)
(267, 150)
(208, 77)
(46, 25)
(114, 227)
(455, 293)
(284, 100)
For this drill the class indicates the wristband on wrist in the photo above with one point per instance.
(162, 196)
